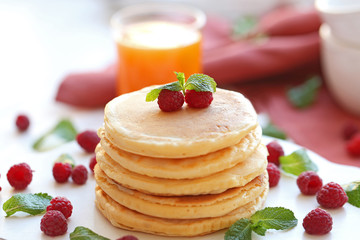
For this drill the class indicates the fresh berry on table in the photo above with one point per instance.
(318, 222)
(61, 204)
(79, 174)
(20, 176)
(92, 163)
(88, 140)
(53, 223)
(22, 122)
(353, 145)
(128, 237)
(309, 182)
(61, 172)
(170, 101)
(275, 151)
(274, 174)
(331, 195)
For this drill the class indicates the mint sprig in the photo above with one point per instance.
(198, 82)
(66, 158)
(273, 131)
(353, 192)
(297, 162)
(32, 204)
(83, 233)
(277, 218)
(304, 95)
(62, 133)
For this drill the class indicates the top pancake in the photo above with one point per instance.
(142, 128)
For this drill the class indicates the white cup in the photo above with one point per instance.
(341, 67)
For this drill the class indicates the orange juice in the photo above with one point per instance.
(149, 53)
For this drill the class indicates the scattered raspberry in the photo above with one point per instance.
(61, 204)
(61, 172)
(349, 130)
(128, 237)
(198, 99)
(353, 145)
(19, 176)
(309, 183)
(170, 101)
(274, 174)
(22, 122)
(53, 223)
(92, 163)
(317, 222)
(88, 140)
(79, 174)
(332, 195)
(275, 151)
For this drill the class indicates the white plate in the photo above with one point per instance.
(286, 194)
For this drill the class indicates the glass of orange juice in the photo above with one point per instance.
(154, 40)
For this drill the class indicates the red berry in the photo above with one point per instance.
(309, 183)
(274, 174)
(79, 174)
(317, 222)
(349, 130)
(331, 195)
(88, 140)
(198, 99)
(275, 151)
(61, 172)
(61, 204)
(92, 163)
(353, 145)
(53, 223)
(170, 101)
(22, 122)
(128, 237)
(19, 176)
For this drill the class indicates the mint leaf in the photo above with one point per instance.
(297, 162)
(181, 78)
(30, 203)
(62, 133)
(278, 218)
(273, 131)
(200, 83)
(66, 158)
(154, 94)
(304, 95)
(353, 192)
(240, 230)
(83, 233)
(244, 26)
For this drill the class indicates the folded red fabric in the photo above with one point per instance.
(226, 60)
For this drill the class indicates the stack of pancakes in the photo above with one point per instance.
(184, 173)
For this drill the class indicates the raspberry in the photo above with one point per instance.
(22, 122)
(79, 174)
(92, 163)
(19, 176)
(128, 237)
(275, 151)
(317, 222)
(61, 172)
(349, 130)
(198, 99)
(170, 101)
(53, 223)
(309, 183)
(332, 195)
(61, 204)
(88, 140)
(274, 174)
(353, 145)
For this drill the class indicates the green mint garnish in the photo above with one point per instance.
(244, 26)
(30, 203)
(198, 82)
(353, 192)
(304, 95)
(83, 233)
(273, 131)
(66, 158)
(277, 218)
(62, 133)
(297, 162)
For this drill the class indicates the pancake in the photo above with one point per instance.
(237, 176)
(184, 168)
(142, 128)
(182, 207)
(122, 217)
